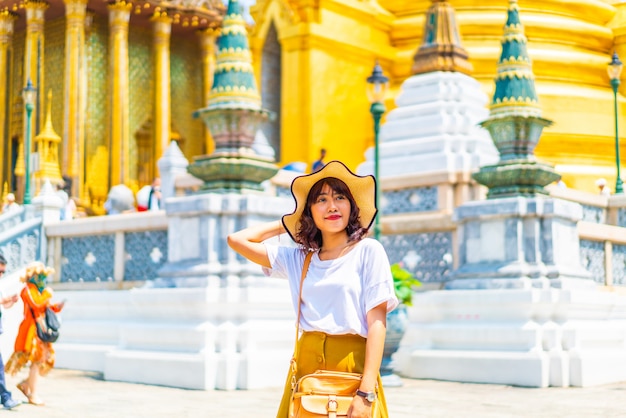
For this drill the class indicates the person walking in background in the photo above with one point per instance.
(347, 289)
(64, 191)
(6, 302)
(319, 164)
(154, 199)
(36, 296)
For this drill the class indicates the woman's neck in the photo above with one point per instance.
(334, 246)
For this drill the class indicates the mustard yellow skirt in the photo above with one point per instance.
(340, 353)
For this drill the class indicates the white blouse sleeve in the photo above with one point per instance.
(277, 261)
(377, 279)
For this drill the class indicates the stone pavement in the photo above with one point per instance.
(71, 393)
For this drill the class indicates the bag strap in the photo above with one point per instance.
(32, 313)
(305, 268)
(30, 297)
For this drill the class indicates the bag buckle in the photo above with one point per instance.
(332, 405)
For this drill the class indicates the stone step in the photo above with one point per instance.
(87, 357)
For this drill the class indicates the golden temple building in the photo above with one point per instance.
(126, 77)
(326, 50)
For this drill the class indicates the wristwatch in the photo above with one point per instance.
(369, 396)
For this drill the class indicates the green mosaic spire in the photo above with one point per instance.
(234, 85)
(515, 121)
(233, 116)
(515, 82)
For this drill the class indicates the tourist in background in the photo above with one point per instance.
(319, 164)
(154, 198)
(348, 289)
(9, 204)
(603, 189)
(6, 301)
(36, 296)
(68, 209)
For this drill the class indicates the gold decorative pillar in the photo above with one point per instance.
(119, 109)
(7, 19)
(208, 39)
(85, 152)
(33, 57)
(162, 108)
(74, 111)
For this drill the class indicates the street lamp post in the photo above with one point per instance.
(29, 94)
(615, 70)
(377, 87)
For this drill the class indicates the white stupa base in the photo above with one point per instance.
(520, 369)
(526, 337)
(434, 128)
(193, 338)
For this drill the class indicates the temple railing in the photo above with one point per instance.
(602, 233)
(10, 219)
(109, 251)
(419, 229)
(417, 223)
(20, 243)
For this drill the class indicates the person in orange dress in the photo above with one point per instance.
(36, 296)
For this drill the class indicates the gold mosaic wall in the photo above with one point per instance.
(96, 120)
(141, 86)
(186, 93)
(54, 65)
(19, 42)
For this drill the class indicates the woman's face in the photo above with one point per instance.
(39, 280)
(330, 210)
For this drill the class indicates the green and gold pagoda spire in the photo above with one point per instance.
(515, 121)
(233, 115)
(515, 83)
(234, 85)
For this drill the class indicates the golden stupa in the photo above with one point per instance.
(124, 73)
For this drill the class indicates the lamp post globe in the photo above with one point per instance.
(615, 70)
(29, 94)
(377, 88)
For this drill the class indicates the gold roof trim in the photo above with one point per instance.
(520, 101)
(234, 66)
(236, 90)
(525, 61)
(515, 73)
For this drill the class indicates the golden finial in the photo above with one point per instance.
(441, 48)
(48, 145)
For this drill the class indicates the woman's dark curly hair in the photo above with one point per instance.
(309, 235)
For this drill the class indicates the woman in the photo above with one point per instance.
(28, 347)
(348, 288)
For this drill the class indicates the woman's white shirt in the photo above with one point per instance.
(337, 293)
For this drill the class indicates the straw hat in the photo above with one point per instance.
(36, 268)
(363, 189)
